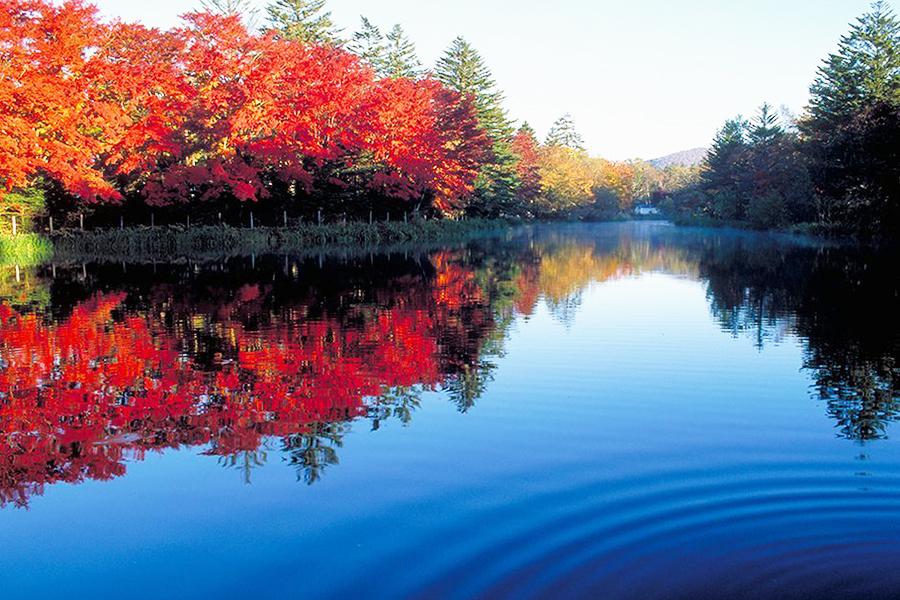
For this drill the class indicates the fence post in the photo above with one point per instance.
(404, 216)
(251, 220)
(18, 274)
(81, 221)
(51, 224)
(319, 212)
(285, 219)
(387, 217)
(189, 221)
(121, 222)
(370, 217)
(152, 220)
(15, 226)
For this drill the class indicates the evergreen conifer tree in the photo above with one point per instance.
(368, 44)
(242, 8)
(854, 110)
(400, 55)
(864, 70)
(302, 20)
(724, 168)
(462, 69)
(563, 134)
(766, 128)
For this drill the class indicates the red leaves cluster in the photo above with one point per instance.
(52, 119)
(429, 141)
(526, 148)
(209, 109)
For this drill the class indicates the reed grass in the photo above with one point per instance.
(165, 243)
(25, 249)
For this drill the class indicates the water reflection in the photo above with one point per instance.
(841, 301)
(272, 356)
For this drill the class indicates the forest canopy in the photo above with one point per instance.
(836, 166)
(279, 110)
(275, 109)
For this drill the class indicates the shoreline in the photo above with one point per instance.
(168, 243)
(214, 242)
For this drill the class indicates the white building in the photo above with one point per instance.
(643, 210)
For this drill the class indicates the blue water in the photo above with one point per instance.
(679, 414)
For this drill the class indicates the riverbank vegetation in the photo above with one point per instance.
(239, 118)
(236, 116)
(25, 249)
(163, 243)
(836, 168)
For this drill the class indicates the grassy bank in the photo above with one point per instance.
(162, 243)
(817, 229)
(25, 249)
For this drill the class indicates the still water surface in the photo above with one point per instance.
(611, 411)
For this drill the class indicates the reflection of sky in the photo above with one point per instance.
(641, 381)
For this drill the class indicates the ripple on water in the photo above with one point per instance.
(760, 530)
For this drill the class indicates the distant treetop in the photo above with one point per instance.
(302, 20)
(564, 134)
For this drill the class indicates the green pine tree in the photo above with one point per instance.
(563, 134)
(368, 44)
(723, 171)
(730, 140)
(853, 113)
(400, 55)
(756, 173)
(864, 70)
(462, 69)
(242, 8)
(302, 20)
(497, 185)
(766, 128)
(526, 129)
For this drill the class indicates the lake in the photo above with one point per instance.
(627, 410)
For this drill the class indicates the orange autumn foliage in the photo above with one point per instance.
(211, 110)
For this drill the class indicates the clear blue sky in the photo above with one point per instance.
(642, 78)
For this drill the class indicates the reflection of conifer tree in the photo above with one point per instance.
(398, 402)
(312, 452)
(861, 395)
(245, 462)
(763, 289)
(466, 387)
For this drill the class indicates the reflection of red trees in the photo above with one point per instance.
(529, 289)
(80, 396)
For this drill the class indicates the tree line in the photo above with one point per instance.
(273, 110)
(836, 167)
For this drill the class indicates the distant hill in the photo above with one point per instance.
(685, 158)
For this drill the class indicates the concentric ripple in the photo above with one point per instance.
(761, 530)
